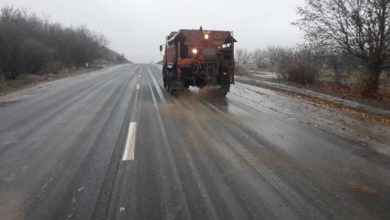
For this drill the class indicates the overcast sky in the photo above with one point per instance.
(137, 27)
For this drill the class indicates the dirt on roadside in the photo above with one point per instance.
(354, 111)
(379, 100)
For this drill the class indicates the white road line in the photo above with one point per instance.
(158, 88)
(130, 142)
(170, 159)
(138, 86)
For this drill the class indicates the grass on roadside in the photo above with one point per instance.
(26, 80)
(31, 79)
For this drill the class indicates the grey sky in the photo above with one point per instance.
(137, 27)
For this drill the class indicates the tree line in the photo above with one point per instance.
(338, 34)
(300, 64)
(33, 44)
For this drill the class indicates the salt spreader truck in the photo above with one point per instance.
(198, 58)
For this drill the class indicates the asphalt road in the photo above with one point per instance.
(113, 144)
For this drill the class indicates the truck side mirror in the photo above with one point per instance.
(161, 48)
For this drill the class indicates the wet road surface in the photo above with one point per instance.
(113, 144)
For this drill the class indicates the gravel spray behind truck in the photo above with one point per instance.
(198, 58)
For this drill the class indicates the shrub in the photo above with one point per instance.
(303, 73)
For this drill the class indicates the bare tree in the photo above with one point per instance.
(248, 58)
(280, 58)
(359, 27)
(258, 56)
(239, 55)
(305, 66)
(242, 56)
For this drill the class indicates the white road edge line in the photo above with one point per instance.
(130, 142)
(157, 87)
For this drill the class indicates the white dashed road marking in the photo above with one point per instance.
(130, 142)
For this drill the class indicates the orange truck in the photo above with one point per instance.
(198, 58)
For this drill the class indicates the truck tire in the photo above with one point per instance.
(223, 92)
(170, 90)
(164, 73)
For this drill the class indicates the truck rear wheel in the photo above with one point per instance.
(224, 92)
(170, 90)
(169, 81)
(165, 78)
